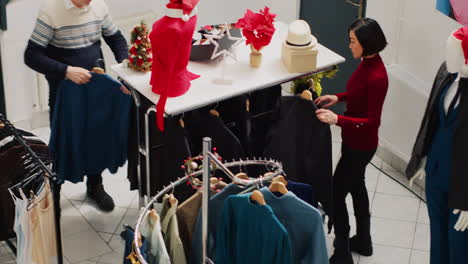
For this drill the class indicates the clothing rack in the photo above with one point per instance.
(208, 157)
(47, 173)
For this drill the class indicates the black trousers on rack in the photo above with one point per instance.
(349, 178)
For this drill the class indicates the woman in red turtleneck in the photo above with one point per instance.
(365, 95)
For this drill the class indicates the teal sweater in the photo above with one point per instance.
(251, 234)
(304, 225)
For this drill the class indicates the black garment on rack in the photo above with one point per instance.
(12, 173)
(262, 106)
(201, 123)
(168, 150)
(234, 114)
(303, 144)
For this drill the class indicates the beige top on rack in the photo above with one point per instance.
(246, 79)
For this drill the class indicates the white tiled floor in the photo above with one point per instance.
(399, 219)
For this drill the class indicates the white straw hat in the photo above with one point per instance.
(299, 35)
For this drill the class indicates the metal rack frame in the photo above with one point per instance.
(49, 174)
(208, 157)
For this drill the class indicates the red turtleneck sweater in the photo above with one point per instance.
(365, 96)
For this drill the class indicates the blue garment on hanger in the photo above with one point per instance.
(89, 130)
(304, 225)
(128, 235)
(216, 205)
(250, 233)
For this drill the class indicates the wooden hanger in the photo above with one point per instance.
(257, 196)
(280, 179)
(278, 186)
(154, 216)
(214, 112)
(242, 176)
(98, 70)
(172, 200)
(306, 95)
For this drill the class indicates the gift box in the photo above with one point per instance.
(299, 51)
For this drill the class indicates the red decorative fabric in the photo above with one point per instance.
(462, 34)
(186, 5)
(171, 42)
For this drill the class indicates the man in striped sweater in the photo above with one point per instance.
(66, 44)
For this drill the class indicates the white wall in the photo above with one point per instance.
(417, 33)
(21, 82)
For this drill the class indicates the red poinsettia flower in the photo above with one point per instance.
(257, 28)
(149, 60)
(130, 60)
(137, 42)
(139, 62)
(133, 51)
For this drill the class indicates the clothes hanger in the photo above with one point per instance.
(172, 199)
(278, 186)
(154, 215)
(306, 95)
(214, 111)
(181, 121)
(257, 196)
(281, 179)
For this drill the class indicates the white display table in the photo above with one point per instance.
(246, 79)
(205, 92)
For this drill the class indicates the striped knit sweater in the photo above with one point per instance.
(65, 35)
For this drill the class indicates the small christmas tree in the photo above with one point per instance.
(139, 58)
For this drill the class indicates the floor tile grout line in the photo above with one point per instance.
(416, 226)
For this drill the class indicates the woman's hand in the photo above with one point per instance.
(326, 116)
(329, 100)
(78, 75)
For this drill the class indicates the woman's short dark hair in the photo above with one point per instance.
(370, 35)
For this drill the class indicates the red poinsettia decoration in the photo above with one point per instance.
(257, 28)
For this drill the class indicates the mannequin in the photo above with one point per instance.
(171, 42)
(440, 152)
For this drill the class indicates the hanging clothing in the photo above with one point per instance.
(250, 233)
(170, 231)
(364, 96)
(42, 220)
(458, 196)
(201, 124)
(187, 219)
(156, 247)
(96, 137)
(216, 204)
(128, 236)
(459, 9)
(12, 173)
(22, 229)
(303, 191)
(303, 144)
(168, 150)
(171, 42)
(307, 238)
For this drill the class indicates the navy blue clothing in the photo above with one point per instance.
(448, 246)
(128, 235)
(304, 191)
(250, 233)
(89, 128)
(215, 205)
(440, 154)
